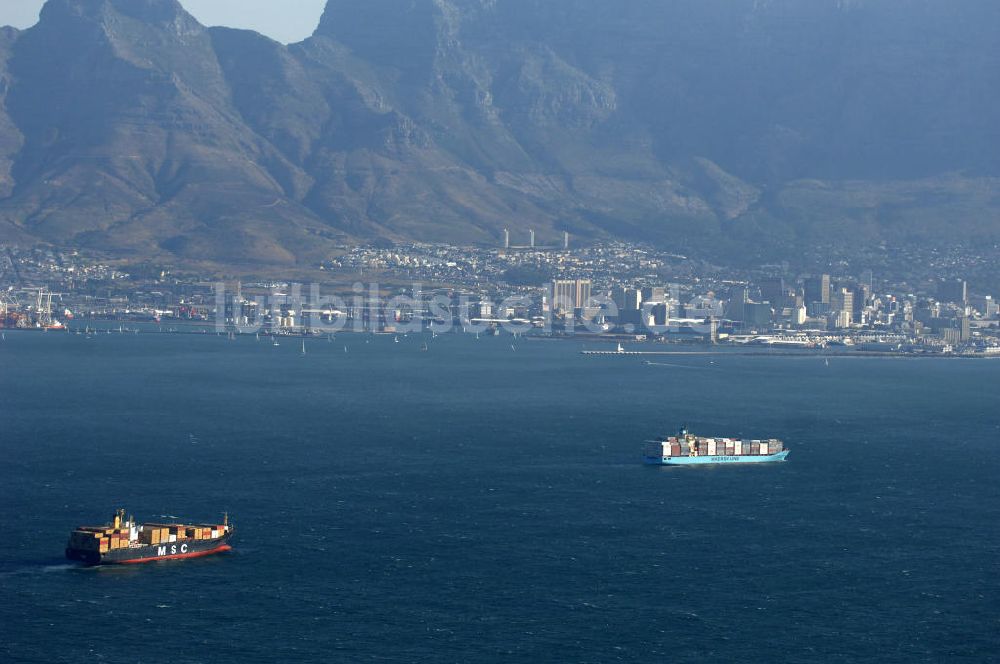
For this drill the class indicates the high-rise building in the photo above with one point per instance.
(842, 306)
(531, 238)
(758, 314)
(738, 298)
(841, 318)
(565, 240)
(506, 239)
(773, 291)
(484, 309)
(817, 289)
(861, 295)
(628, 299)
(570, 294)
(582, 290)
(563, 295)
(655, 294)
(985, 305)
(629, 303)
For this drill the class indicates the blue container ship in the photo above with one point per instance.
(686, 449)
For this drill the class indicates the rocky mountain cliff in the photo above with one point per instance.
(730, 124)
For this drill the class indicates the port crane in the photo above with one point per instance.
(43, 306)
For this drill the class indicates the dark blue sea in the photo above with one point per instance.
(484, 501)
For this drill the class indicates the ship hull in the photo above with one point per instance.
(710, 460)
(153, 553)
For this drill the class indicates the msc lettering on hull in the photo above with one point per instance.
(162, 550)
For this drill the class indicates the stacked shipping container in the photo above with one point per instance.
(695, 446)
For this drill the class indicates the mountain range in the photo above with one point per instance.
(748, 127)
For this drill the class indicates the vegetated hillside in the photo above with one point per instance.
(737, 126)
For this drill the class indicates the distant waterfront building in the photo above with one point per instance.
(628, 299)
(629, 303)
(736, 308)
(758, 314)
(506, 239)
(841, 319)
(773, 291)
(570, 294)
(660, 314)
(817, 289)
(842, 307)
(818, 309)
(583, 293)
(985, 305)
(655, 294)
(565, 240)
(952, 330)
(927, 311)
(563, 295)
(842, 299)
(484, 309)
(531, 238)
(861, 297)
(704, 307)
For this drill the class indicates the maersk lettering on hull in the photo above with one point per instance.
(703, 460)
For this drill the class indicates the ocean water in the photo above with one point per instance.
(478, 502)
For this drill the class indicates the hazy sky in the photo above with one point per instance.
(284, 20)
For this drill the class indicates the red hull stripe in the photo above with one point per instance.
(195, 554)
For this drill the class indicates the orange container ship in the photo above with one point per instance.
(123, 541)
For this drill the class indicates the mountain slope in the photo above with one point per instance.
(130, 141)
(728, 125)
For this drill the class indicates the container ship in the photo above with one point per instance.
(685, 449)
(124, 541)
